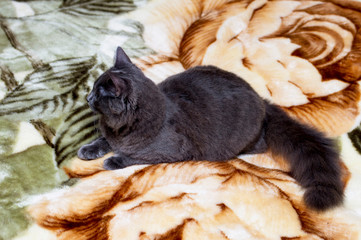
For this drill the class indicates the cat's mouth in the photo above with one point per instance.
(93, 108)
(91, 102)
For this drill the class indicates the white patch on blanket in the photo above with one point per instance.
(28, 136)
(352, 160)
(2, 90)
(140, 3)
(35, 232)
(23, 9)
(4, 171)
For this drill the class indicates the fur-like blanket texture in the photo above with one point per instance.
(302, 55)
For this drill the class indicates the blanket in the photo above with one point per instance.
(303, 55)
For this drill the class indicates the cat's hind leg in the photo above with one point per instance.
(258, 145)
(114, 162)
(96, 149)
(120, 161)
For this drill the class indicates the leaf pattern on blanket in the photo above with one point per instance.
(50, 90)
(59, 87)
(24, 174)
(355, 137)
(30, 41)
(80, 124)
(51, 52)
(8, 131)
(96, 7)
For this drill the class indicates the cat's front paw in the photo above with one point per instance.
(113, 163)
(90, 152)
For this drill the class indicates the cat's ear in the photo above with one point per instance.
(121, 58)
(119, 83)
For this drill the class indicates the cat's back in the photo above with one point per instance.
(207, 79)
(214, 109)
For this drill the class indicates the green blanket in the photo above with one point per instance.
(50, 54)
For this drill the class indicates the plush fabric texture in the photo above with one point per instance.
(302, 55)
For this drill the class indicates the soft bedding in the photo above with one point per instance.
(302, 55)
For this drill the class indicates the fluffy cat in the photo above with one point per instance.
(205, 113)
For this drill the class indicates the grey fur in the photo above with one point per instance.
(205, 113)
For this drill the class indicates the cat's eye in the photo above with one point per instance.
(110, 83)
(108, 88)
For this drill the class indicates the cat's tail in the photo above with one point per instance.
(313, 158)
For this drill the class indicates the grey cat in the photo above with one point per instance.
(205, 113)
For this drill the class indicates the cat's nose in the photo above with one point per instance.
(89, 97)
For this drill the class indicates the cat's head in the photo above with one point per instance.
(122, 90)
